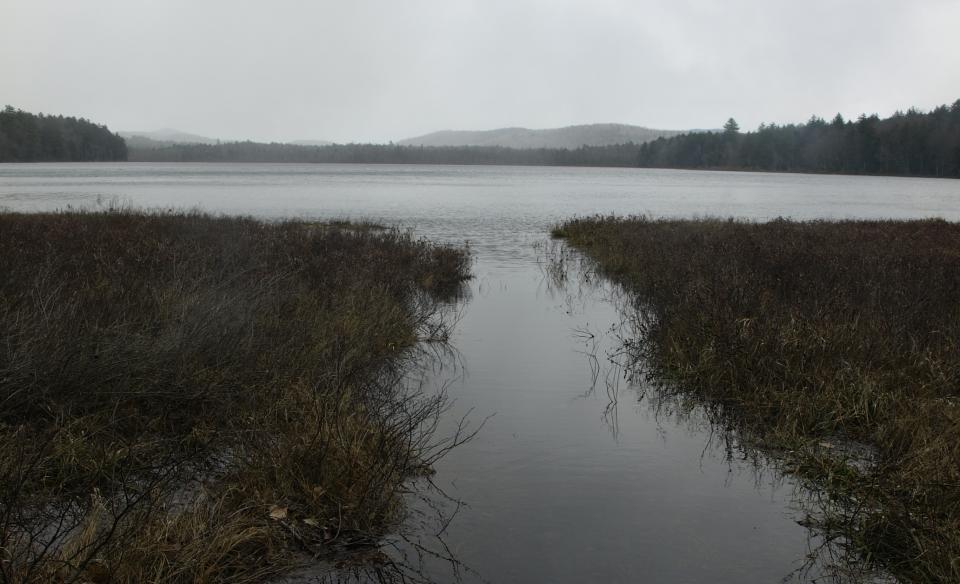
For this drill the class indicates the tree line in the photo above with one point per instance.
(27, 137)
(911, 143)
(618, 155)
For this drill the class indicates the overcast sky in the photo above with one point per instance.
(365, 70)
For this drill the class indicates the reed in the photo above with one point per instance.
(190, 398)
(807, 339)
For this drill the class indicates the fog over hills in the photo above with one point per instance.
(566, 137)
(569, 137)
(168, 135)
(310, 142)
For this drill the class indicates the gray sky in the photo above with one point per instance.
(366, 70)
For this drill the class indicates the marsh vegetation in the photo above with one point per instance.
(190, 398)
(582, 492)
(830, 345)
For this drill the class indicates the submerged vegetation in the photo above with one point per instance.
(834, 345)
(188, 398)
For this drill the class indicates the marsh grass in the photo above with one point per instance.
(188, 398)
(803, 338)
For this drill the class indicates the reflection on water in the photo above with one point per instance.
(584, 474)
(579, 474)
(829, 557)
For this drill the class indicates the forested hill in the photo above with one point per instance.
(618, 155)
(913, 143)
(26, 137)
(569, 137)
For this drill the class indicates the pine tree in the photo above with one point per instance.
(731, 127)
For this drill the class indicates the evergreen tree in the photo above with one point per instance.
(25, 137)
(911, 143)
(731, 127)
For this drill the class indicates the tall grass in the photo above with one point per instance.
(188, 398)
(803, 337)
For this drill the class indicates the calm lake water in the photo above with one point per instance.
(558, 486)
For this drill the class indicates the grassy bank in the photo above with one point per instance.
(187, 398)
(803, 337)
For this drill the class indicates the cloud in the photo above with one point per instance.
(381, 70)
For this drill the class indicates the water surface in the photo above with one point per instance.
(558, 487)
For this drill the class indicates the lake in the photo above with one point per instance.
(576, 475)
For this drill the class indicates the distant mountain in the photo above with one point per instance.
(136, 142)
(567, 137)
(311, 143)
(169, 137)
(164, 137)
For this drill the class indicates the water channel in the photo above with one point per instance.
(576, 475)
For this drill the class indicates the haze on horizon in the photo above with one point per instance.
(382, 71)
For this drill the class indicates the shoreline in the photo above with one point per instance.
(495, 164)
(192, 397)
(830, 345)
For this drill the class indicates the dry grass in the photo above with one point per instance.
(801, 336)
(187, 398)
